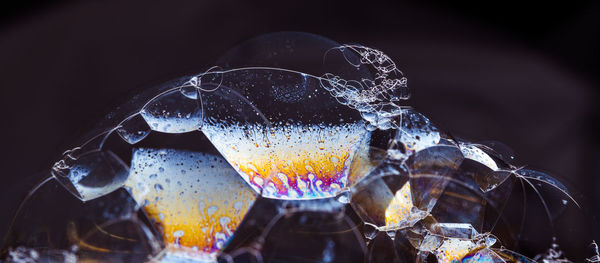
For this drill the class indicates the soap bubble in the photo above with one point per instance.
(293, 148)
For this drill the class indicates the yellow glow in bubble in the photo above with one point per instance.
(196, 200)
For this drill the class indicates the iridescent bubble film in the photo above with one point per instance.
(263, 158)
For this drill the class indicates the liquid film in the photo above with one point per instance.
(196, 200)
(291, 162)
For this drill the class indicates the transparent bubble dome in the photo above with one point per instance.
(269, 158)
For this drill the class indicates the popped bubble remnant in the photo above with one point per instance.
(262, 163)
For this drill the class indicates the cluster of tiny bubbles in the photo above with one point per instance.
(376, 99)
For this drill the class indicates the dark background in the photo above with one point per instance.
(522, 73)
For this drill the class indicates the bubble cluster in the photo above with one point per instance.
(377, 98)
(270, 164)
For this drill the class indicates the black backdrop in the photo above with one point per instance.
(525, 74)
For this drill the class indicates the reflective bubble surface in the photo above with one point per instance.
(251, 161)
